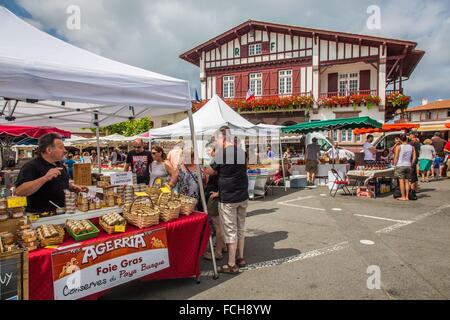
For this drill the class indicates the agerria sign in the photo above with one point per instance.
(98, 266)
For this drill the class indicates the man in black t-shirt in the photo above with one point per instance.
(45, 178)
(139, 160)
(230, 166)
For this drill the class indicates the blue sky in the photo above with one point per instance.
(152, 34)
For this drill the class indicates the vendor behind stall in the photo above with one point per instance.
(45, 178)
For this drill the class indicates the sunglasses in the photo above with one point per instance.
(155, 152)
(138, 147)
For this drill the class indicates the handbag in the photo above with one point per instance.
(412, 195)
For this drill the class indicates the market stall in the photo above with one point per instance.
(74, 88)
(328, 125)
(169, 250)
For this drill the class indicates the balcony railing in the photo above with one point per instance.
(348, 93)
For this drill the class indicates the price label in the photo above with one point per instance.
(33, 217)
(17, 202)
(141, 194)
(51, 247)
(119, 228)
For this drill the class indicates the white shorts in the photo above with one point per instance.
(232, 216)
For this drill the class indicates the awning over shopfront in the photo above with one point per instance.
(389, 127)
(334, 124)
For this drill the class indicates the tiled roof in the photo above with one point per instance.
(435, 105)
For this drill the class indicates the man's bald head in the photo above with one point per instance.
(138, 144)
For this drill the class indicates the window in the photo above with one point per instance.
(285, 82)
(448, 113)
(335, 135)
(348, 83)
(255, 49)
(358, 138)
(228, 87)
(347, 135)
(256, 84)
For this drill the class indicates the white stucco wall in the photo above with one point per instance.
(172, 118)
(349, 68)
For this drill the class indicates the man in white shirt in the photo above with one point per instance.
(334, 152)
(370, 151)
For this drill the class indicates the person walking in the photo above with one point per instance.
(427, 154)
(446, 166)
(231, 168)
(404, 157)
(312, 160)
(415, 143)
(438, 144)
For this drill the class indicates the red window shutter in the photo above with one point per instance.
(266, 83)
(244, 51)
(332, 83)
(274, 83)
(245, 84)
(219, 86)
(364, 80)
(266, 47)
(237, 85)
(296, 81)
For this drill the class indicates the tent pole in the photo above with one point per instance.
(99, 161)
(282, 161)
(200, 183)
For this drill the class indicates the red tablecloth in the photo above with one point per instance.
(187, 238)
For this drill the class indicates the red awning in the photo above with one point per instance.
(388, 128)
(447, 125)
(30, 132)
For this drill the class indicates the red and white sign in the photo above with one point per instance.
(98, 266)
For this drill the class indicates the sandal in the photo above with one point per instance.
(208, 256)
(241, 262)
(228, 269)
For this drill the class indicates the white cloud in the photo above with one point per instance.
(152, 34)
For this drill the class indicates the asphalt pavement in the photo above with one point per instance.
(305, 244)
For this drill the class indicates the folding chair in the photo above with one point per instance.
(340, 183)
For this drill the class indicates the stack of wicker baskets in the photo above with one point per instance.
(141, 213)
(169, 206)
(153, 193)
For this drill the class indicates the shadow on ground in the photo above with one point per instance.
(263, 249)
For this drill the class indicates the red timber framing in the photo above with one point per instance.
(402, 56)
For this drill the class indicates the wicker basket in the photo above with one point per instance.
(141, 214)
(187, 204)
(169, 207)
(108, 229)
(44, 242)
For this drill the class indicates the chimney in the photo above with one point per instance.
(424, 101)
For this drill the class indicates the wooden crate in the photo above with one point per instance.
(82, 174)
(14, 263)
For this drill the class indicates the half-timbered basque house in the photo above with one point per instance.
(300, 74)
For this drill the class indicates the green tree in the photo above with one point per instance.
(128, 128)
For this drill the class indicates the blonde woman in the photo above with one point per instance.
(427, 154)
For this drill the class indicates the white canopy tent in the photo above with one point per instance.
(213, 115)
(46, 81)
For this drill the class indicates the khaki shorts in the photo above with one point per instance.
(232, 217)
(403, 173)
(311, 166)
